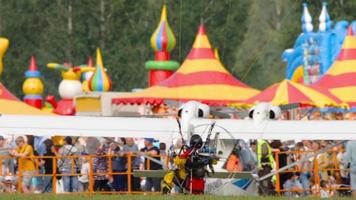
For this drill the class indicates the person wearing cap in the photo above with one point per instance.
(26, 163)
(154, 152)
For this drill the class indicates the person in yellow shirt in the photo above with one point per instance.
(24, 153)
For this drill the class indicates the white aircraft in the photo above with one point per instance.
(162, 128)
(192, 121)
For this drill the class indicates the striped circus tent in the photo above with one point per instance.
(6, 94)
(340, 79)
(11, 105)
(202, 77)
(289, 92)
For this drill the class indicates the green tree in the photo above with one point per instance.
(258, 61)
(250, 35)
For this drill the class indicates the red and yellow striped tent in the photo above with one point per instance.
(9, 104)
(289, 92)
(340, 79)
(5, 94)
(202, 77)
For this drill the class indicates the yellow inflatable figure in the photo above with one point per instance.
(4, 44)
(87, 75)
(69, 87)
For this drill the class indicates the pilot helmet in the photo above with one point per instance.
(196, 141)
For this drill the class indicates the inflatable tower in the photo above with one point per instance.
(33, 86)
(162, 41)
(99, 81)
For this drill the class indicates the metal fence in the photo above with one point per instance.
(74, 160)
(316, 169)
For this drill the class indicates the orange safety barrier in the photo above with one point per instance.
(73, 160)
(316, 170)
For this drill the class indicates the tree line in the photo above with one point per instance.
(249, 34)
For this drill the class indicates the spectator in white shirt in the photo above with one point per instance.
(84, 174)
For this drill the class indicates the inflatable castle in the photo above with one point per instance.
(315, 49)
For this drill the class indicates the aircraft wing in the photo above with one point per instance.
(88, 126)
(281, 129)
(162, 128)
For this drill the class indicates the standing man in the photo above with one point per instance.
(7, 165)
(47, 164)
(131, 147)
(265, 164)
(64, 163)
(350, 157)
(119, 164)
(153, 152)
(100, 168)
(25, 155)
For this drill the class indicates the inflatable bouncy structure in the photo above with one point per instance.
(33, 86)
(86, 75)
(162, 41)
(314, 51)
(9, 103)
(4, 44)
(99, 81)
(68, 88)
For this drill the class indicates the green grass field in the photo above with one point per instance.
(133, 197)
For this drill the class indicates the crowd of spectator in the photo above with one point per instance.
(102, 163)
(106, 159)
(325, 174)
